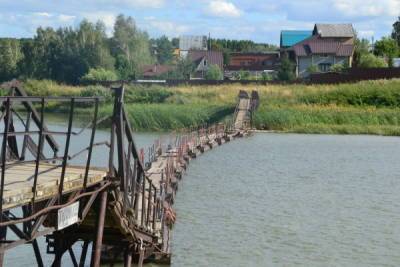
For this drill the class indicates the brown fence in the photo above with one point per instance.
(355, 75)
(351, 75)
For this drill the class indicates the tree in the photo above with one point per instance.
(387, 47)
(286, 70)
(10, 56)
(361, 49)
(371, 61)
(183, 71)
(93, 47)
(175, 42)
(165, 50)
(130, 47)
(396, 31)
(214, 73)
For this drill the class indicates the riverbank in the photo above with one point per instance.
(368, 107)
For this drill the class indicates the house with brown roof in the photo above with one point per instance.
(254, 63)
(329, 44)
(204, 59)
(156, 70)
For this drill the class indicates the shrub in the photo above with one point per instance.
(371, 61)
(214, 73)
(312, 69)
(100, 75)
(98, 91)
(145, 94)
(338, 68)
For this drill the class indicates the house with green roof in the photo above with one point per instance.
(326, 45)
(290, 38)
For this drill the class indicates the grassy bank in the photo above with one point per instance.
(369, 107)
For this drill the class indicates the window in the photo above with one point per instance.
(205, 63)
(324, 67)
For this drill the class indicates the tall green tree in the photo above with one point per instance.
(387, 47)
(10, 56)
(130, 47)
(93, 46)
(396, 31)
(286, 70)
(165, 50)
(361, 49)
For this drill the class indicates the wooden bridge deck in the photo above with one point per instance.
(19, 181)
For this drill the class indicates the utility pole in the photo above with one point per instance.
(209, 40)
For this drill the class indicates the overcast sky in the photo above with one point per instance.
(258, 20)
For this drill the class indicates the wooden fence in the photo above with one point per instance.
(351, 75)
(354, 75)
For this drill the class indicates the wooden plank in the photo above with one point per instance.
(18, 186)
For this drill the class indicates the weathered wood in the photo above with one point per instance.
(18, 182)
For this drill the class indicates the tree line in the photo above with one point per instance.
(69, 54)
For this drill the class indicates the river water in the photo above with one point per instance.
(284, 200)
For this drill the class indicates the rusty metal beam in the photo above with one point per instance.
(96, 253)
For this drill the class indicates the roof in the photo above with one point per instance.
(317, 45)
(290, 38)
(156, 70)
(213, 57)
(251, 68)
(235, 54)
(334, 30)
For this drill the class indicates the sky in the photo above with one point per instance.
(257, 20)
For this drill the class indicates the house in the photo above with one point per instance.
(204, 59)
(396, 62)
(290, 38)
(192, 42)
(254, 63)
(328, 45)
(155, 71)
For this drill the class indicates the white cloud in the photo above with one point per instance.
(66, 18)
(42, 14)
(168, 28)
(107, 18)
(368, 8)
(221, 8)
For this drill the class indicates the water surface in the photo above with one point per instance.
(292, 200)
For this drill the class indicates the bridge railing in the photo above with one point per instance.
(32, 152)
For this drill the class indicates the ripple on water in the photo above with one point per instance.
(291, 200)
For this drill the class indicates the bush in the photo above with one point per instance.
(100, 75)
(266, 77)
(99, 91)
(286, 71)
(214, 73)
(145, 94)
(338, 68)
(371, 61)
(312, 69)
(49, 88)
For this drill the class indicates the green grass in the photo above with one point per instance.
(368, 107)
(163, 117)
